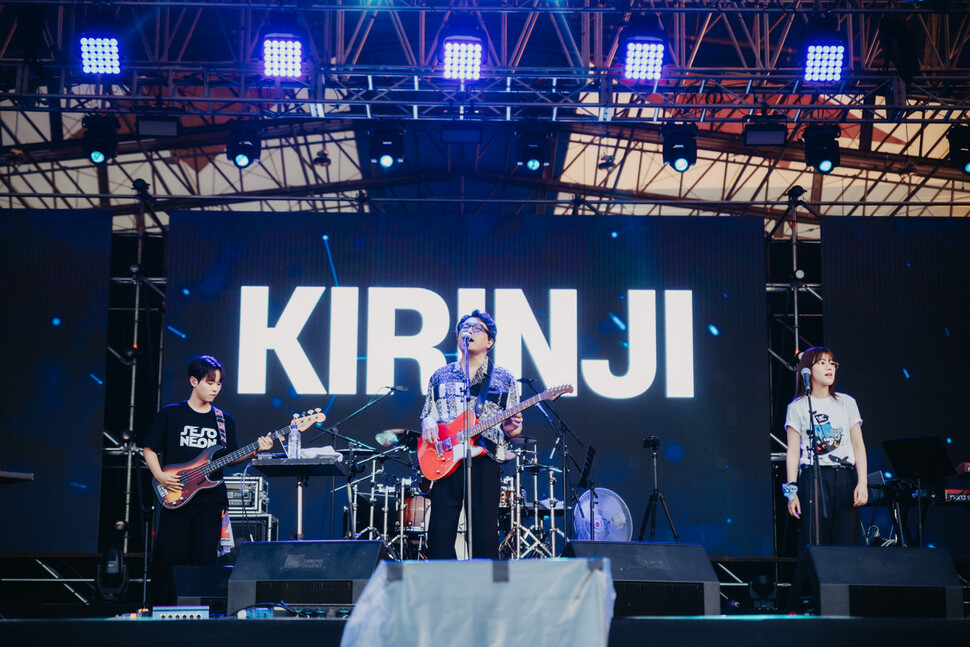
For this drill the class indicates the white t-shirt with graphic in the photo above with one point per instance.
(834, 417)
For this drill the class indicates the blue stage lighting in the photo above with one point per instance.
(463, 56)
(822, 147)
(644, 59)
(243, 145)
(824, 61)
(959, 138)
(533, 152)
(100, 55)
(282, 57)
(387, 147)
(680, 146)
(100, 140)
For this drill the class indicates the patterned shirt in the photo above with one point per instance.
(446, 389)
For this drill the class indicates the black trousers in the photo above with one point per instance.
(447, 497)
(188, 536)
(840, 522)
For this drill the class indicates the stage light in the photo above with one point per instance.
(644, 57)
(100, 54)
(282, 56)
(822, 147)
(533, 152)
(463, 57)
(100, 142)
(680, 146)
(243, 145)
(765, 132)
(387, 147)
(823, 55)
(322, 158)
(959, 138)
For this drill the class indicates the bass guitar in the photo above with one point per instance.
(440, 459)
(194, 475)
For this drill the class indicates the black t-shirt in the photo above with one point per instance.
(179, 434)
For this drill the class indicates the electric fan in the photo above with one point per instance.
(611, 517)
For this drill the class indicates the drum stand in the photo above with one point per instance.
(522, 542)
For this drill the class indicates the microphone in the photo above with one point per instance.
(397, 388)
(554, 445)
(807, 379)
(465, 337)
(527, 380)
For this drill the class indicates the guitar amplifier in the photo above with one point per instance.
(251, 494)
(253, 527)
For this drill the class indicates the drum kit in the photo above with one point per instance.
(396, 509)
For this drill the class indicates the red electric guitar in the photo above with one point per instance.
(440, 459)
(194, 475)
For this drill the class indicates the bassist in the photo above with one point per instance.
(444, 403)
(190, 535)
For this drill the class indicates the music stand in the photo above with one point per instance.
(922, 459)
(302, 469)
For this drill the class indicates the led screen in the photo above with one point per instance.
(659, 325)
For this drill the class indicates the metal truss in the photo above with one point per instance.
(552, 67)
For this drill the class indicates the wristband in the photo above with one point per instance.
(790, 490)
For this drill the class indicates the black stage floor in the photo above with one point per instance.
(731, 631)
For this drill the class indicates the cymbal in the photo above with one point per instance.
(401, 432)
(406, 437)
(521, 440)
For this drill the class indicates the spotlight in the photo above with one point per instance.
(322, 158)
(243, 144)
(680, 146)
(824, 54)
(387, 147)
(533, 152)
(100, 54)
(282, 56)
(463, 57)
(644, 58)
(822, 147)
(100, 141)
(959, 138)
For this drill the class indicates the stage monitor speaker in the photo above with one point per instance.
(878, 582)
(317, 575)
(202, 586)
(653, 579)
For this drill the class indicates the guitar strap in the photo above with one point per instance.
(221, 423)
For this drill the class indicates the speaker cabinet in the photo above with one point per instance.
(317, 575)
(878, 582)
(202, 586)
(656, 579)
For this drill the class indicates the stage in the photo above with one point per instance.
(724, 631)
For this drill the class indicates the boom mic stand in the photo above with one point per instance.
(332, 430)
(560, 429)
(818, 497)
(653, 444)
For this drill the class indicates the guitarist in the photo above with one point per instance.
(444, 403)
(190, 535)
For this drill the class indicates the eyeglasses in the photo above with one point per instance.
(475, 328)
(828, 362)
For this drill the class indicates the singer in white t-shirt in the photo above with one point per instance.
(841, 454)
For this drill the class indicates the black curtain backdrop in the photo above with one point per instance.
(896, 317)
(54, 292)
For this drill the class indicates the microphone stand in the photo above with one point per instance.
(560, 430)
(352, 466)
(818, 500)
(467, 449)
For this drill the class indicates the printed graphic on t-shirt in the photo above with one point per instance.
(199, 438)
(827, 437)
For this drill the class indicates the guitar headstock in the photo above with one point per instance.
(309, 417)
(556, 391)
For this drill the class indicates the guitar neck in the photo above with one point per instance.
(232, 457)
(499, 418)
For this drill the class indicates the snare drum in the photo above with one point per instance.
(417, 509)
